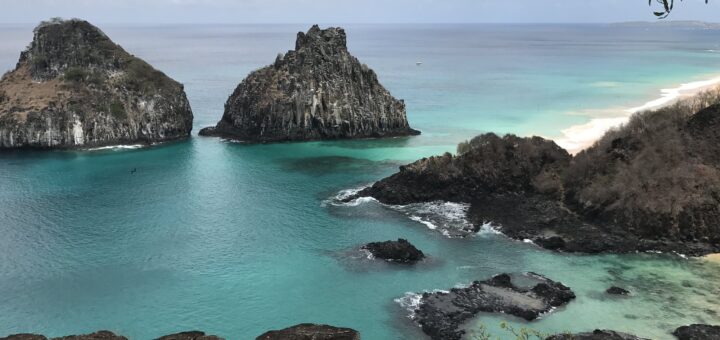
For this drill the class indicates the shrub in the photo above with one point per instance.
(75, 75)
(117, 109)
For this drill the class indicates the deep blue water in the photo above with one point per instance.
(237, 239)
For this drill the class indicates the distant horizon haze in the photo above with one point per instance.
(349, 12)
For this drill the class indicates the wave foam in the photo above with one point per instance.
(447, 217)
(117, 147)
(340, 197)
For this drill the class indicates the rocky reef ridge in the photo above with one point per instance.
(441, 314)
(316, 91)
(308, 331)
(597, 334)
(74, 87)
(652, 185)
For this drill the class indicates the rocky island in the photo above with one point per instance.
(652, 185)
(73, 87)
(317, 91)
(400, 251)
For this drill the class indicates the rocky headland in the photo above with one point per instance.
(74, 87)
(441, 314)
(400, 251)
(307, 331)
(652, 185)
(316, 91)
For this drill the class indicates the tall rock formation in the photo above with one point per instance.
(317, 91)
(74, 87)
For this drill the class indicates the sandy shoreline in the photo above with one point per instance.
(579, 137)
(712, 258)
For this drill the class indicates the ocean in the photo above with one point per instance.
(236, 239)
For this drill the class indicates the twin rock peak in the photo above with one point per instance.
(75, 88)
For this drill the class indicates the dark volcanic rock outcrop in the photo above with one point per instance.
(651, 185)
(74, 87)
(697, 332)
(307, 331)
(441, 314)
(190, 335)
(614, 290)
(24, 336)
(400, 251)
(596, 335)
(317, 91)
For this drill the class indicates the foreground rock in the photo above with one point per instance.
(107, 335)
(307, 331)
(614, 290)
(99, 335)
(441, 314)
(317, 91)
(400, 251)
(697, 332)
(596, 335)
(191, 335)
(652, 185)
(74, 87)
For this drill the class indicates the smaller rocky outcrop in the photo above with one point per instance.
(316, 91)
(614, 290)
(697, 332)
(24, 336)
(190, 335)
(441, 314)
(99, 335)
(107, 335)
(596, 335)
(400, 251)
(308, 331)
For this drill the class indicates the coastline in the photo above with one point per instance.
(581, 136)
(712, 258)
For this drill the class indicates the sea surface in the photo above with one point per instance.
(237, 239)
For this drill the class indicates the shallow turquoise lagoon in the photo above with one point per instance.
(237, 239)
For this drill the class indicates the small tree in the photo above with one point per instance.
(667, 7)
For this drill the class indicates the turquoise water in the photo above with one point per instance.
(236, 239)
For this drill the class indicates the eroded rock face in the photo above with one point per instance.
(697, 332)
(73, 87)
(317, 91)
(596, 335)
(441, 314)
(400, 251)
(307, 331)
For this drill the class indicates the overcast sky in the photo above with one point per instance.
(347, 11)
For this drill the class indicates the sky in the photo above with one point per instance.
(349, 11)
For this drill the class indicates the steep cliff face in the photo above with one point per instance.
(317, 91)
(652, 185)
(74, 87)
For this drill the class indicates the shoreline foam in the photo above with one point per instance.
(578, 137)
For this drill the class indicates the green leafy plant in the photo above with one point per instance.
(75, 75)
(117, 109)
(667, 7)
